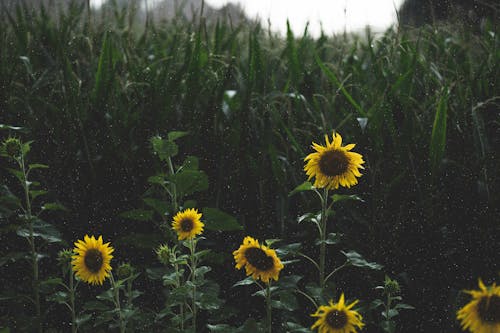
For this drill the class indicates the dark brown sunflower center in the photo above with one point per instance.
(489, 309)
(333, 163)
(336, 318)
(187, 225)
(258, 258)
(93, 260)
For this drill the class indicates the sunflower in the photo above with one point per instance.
(260, 261)
(482, 313)
(187, 224)
(91, 261)
(333, 165)
(337, 318)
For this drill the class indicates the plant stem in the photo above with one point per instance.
(269, 308)
(181, 306)
(72, 300)
(347, 263)
(388, 306)
(116, 292)
(192, 247)
(174, 189)
(34, 256)
(322, 237)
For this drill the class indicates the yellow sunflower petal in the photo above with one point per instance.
(91, 261)
(332, 165)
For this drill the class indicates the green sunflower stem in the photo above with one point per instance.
(181, 306)
(322, 237)
(269, 308)
(72, 290)
(116, 292)
(34, 255)
(192, 247)
(174, 188)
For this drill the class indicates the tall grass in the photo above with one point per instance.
(422, 104)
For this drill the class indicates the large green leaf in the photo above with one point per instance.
(216, 219)
(305, 186)
(189, 181)
(42, 230)
(105, 70)
(357, 260)
(164, 148)
(438, 137)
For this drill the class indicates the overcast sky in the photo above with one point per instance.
(334, 15)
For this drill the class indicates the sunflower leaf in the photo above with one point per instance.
(43, 230)
(389, 326)
(14, 128)
(403, 306)
(296, 328)
(332, 239)
(54, 206)
(164, 148)
(38, 166)
(160, 206)
(263, 291)
(221, 328)
(245, 282)
(174, 135)
(357, 260)
(271, 241)
(391, 314)
(309, 217)
(305, 186)
(346, 197)
(216, 219)
(189, 181)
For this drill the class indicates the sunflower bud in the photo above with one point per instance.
(64, 257)
(391, 286)
(163, 253)
(12, 147)
(124, 271)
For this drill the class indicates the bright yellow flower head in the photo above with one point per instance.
(91, 261)
(187, 224)
(482, 313)
(337, 318)
(260, 261)
(333, 165)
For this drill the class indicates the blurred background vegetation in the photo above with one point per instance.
(421, 103)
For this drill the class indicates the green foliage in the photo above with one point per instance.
(417, 102)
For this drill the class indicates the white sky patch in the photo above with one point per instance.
(335, 16)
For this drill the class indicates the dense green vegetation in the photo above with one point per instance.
(422, 105)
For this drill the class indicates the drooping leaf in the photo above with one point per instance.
(346, 197)
(54, 206)
(357, 260)
(305, 186)
(174, 135)
(42, 230)
(37, 166)
(245, 282)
